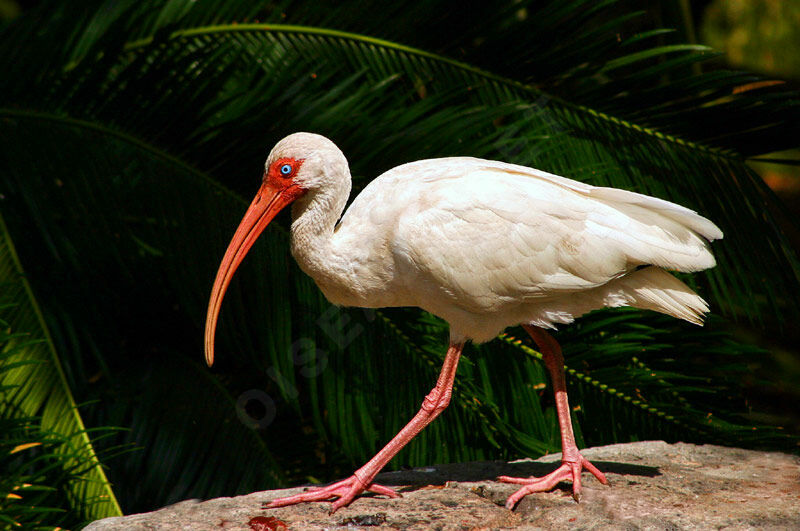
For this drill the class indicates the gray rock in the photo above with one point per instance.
(654, 485)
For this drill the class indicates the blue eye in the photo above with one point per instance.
(286, 169)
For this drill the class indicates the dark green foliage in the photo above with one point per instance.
(130, 149)
(47, 462)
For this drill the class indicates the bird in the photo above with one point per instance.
(482, 244)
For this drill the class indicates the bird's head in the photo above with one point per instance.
(302, 165)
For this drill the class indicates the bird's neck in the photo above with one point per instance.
(314, 218)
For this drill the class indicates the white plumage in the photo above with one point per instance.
(485, 245)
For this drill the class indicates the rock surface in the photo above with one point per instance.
(654, 485)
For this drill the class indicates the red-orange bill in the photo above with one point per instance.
(270, 199)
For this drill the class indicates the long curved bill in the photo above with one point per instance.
(269, 200)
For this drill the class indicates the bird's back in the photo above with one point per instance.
(488, 244)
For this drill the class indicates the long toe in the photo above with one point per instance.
(343, 492)
(534, 484)
(593, 469)
(568, 471)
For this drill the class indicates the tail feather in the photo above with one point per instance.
(649, 288)
(652, 288)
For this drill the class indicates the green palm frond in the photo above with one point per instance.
(34, 385)
(598, 55)
(133, 232)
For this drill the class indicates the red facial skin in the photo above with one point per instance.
(277, 190)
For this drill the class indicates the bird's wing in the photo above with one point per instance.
(623, 199)
(485, 232)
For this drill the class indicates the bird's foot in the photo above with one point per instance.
(569, 470)
(345, 491)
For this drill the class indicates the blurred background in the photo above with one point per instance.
(134, 134)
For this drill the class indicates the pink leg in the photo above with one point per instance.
(346, 490)
(572, 462)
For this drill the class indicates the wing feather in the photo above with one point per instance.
(483, 233)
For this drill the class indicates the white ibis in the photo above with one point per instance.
(482, 244)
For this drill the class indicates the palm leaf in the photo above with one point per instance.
(132, 230)
(35, 385)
